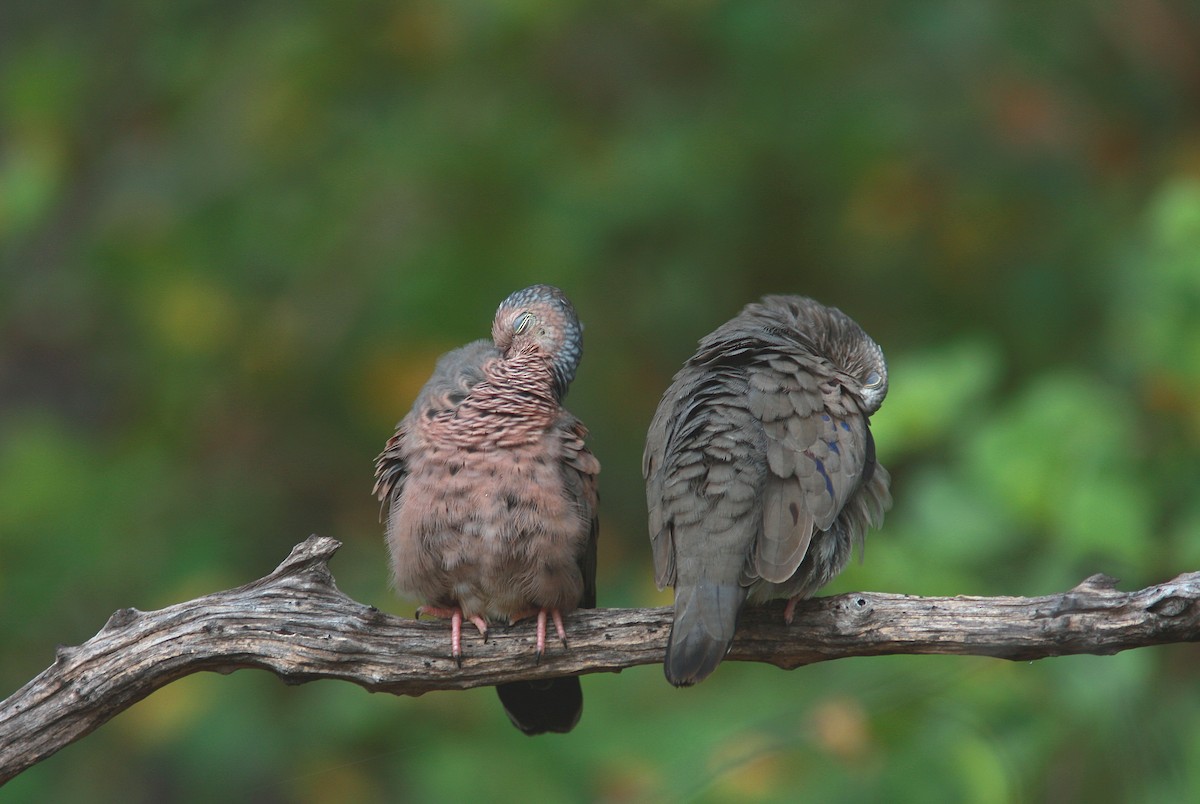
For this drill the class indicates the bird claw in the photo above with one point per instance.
(558, 626)
(556, 615)
(544, 616)
(456, 620)
(481, 626)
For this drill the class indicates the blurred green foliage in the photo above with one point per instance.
(235, 236)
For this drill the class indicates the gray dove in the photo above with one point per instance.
(760, 470)
(491, 494)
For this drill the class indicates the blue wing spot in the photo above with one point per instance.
(845, 426)
(821, 468)
(824, 417)
(833, 447)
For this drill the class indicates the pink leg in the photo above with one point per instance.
(481, 626)
(541, 635)
(543, 616)
(789, 611)
(456, 620)
(456, 636)
(556, 615)
(558, 626)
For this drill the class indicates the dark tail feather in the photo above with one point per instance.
(536, 707)
(705, 619)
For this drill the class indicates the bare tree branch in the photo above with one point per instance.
(296, 624)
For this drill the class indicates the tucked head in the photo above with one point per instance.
(541, 319)
(835, 335)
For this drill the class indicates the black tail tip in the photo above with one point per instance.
(538, 707)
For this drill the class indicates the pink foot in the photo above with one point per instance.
(557, 616)
(789, 611)
(542, 616)
(456, 619)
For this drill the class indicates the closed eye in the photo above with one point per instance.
(873, 380)
(522, 322)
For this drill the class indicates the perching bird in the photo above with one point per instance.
(491, 493)
(760, 469)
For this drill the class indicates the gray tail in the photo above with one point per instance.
(536, 707)
(705, 618)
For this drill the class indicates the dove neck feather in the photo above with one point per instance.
(513, 404)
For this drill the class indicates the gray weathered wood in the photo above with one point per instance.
(296, 624)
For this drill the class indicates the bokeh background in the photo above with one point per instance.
(235, 236)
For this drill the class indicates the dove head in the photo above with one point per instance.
(835, 336)
(542, 321)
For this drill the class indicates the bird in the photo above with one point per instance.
(760, 470)
(490, 493)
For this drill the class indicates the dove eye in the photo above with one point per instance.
(522, 323)
(873, 380)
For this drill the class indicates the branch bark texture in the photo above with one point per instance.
(296, 624)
